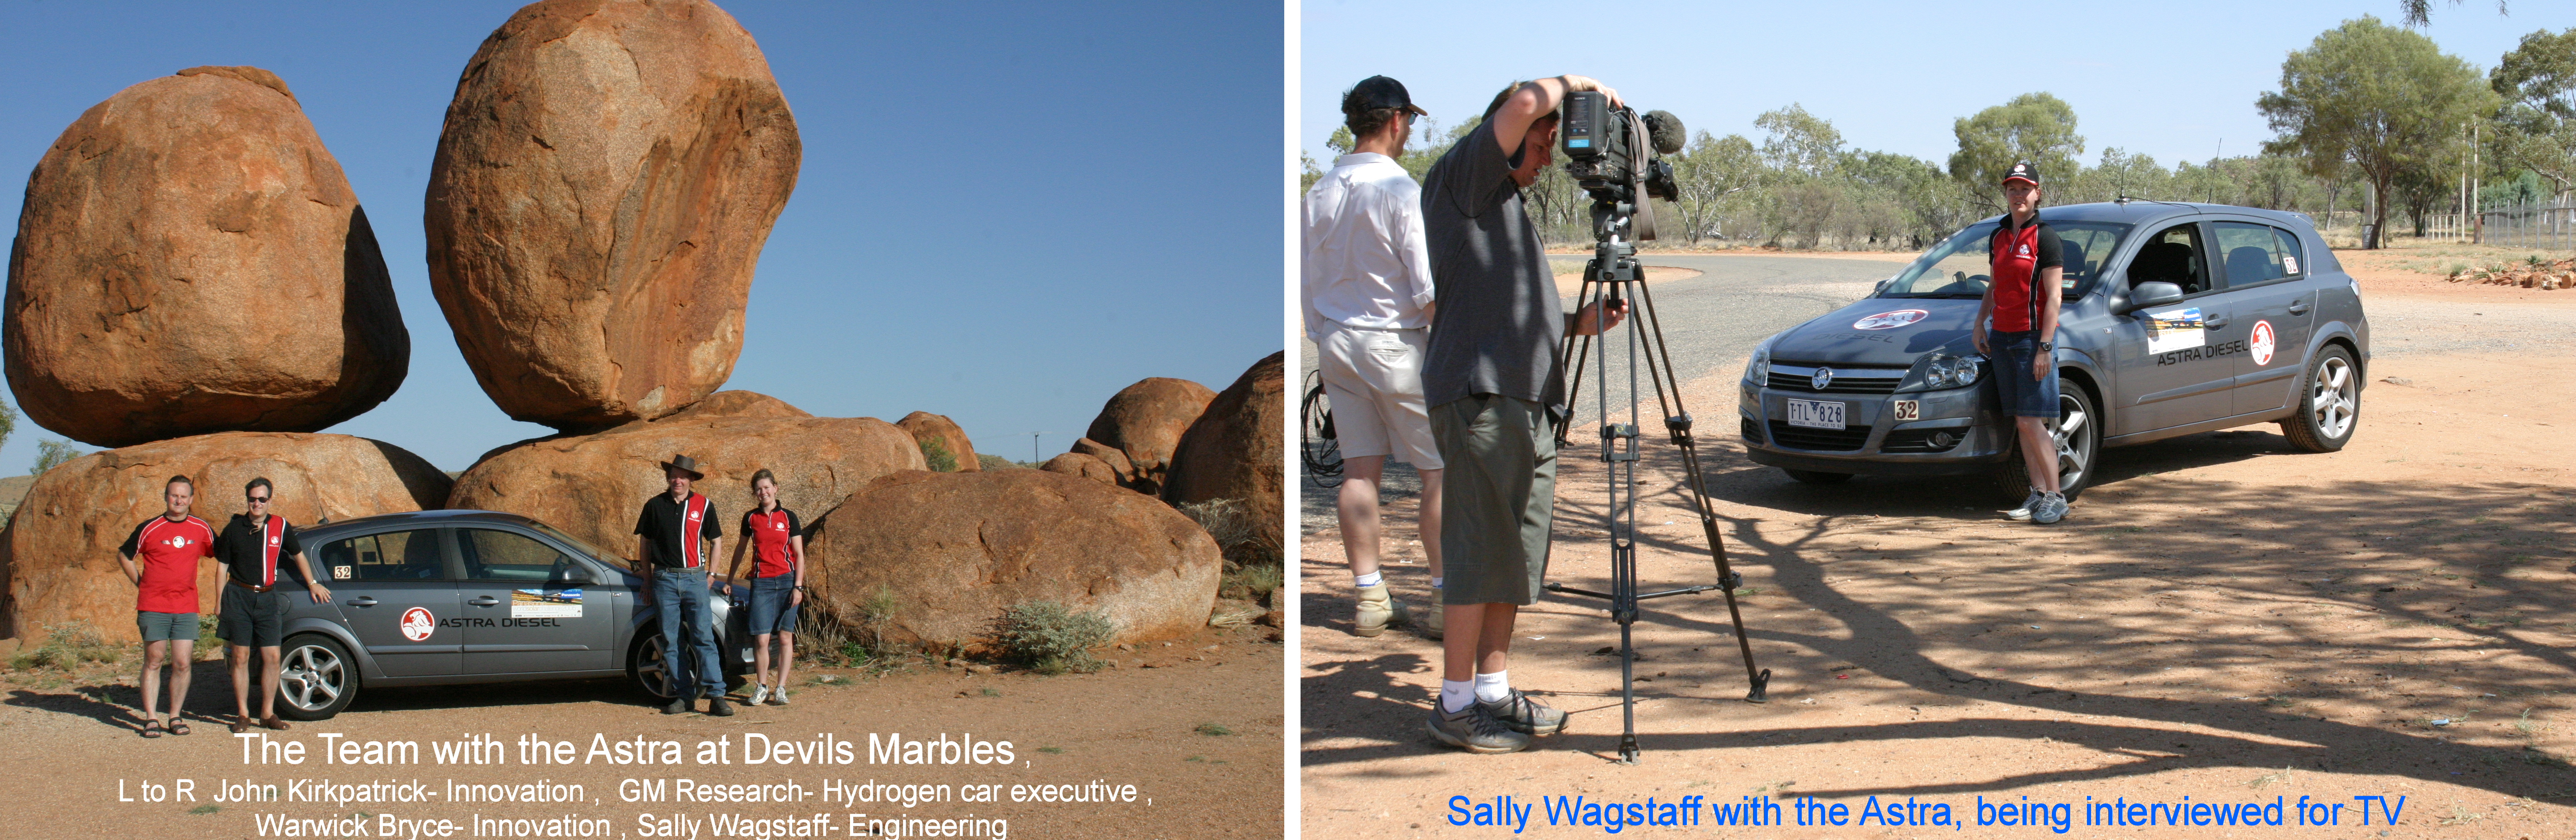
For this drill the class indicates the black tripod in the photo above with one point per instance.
(1607, 279)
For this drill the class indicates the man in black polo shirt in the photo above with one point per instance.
(254, 612)
(674, 537)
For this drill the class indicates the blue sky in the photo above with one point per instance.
(1006, 211)
(2170, 79)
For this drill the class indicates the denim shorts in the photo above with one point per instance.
(2022, 397)
(770, 611)
(162, 627)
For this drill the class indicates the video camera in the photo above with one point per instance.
(1611, 152)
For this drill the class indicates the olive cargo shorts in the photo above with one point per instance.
(1500, 497)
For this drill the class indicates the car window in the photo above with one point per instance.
(1957, 267)
(2255, 253)
(494, 555)
(2173, 255)
(399, 555)
(2290, 252)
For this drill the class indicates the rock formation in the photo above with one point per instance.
(1145, 420)
(926, 426)
(607, 174)
(190, 259)
(592, 486)
(61, 545)
(1233, 451)
(956, 549)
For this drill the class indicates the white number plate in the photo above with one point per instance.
(1816, 414)
(1909, 409)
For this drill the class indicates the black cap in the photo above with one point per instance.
(2022, 171)
(1377, 92)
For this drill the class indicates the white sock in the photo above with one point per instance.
(1368, 580)
(1492, 688)
(1435, 583)
(1454, 694)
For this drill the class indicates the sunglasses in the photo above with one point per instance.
(258, 500)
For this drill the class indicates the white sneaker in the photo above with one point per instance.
(757, 695)
(2049, 510)
(2027, 505)
(778, 697)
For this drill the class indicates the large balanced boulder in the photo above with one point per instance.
(1234, 451)
(61, 546)
(606, 176)
(190, 259)
(1146, 420)
(956, 549)
(592, 486)
(926, 427)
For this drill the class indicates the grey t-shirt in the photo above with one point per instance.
(1498, 322)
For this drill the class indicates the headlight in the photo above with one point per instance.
(1952, 371)
(1758, 371)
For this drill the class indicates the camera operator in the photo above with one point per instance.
(2026, 270)
(1368, 301)
(1495, 386)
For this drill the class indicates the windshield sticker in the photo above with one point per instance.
(2175, 329)
(417, 624)
(1889, 320)
(2262, 343)
(545, 603)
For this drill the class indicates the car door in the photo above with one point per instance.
(2264, 274)
(396, 592)
(2168, 358)
(527, 607)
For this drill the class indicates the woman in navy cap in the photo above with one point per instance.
(2028, 274)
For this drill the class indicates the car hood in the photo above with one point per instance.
(1877, 332)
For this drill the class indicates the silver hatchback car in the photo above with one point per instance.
(443, 597)
(2176, 319)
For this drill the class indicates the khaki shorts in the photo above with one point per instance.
(1499, 498)
(1374, 378)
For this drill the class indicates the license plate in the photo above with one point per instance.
(1909, 409)
(1816, 414)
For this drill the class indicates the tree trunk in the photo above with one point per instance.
(2378, 213)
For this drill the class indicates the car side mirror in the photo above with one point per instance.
(1881, 287)
(2152, 294)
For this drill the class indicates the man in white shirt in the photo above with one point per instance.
(1368, 303)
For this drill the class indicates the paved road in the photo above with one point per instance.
(1710, 323)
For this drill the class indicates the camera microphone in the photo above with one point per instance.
(1666, 131)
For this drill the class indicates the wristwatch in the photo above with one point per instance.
(2047, 346)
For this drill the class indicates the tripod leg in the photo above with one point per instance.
(1678, 422)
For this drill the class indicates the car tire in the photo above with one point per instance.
(1813, 477)
(2329, 403)
(2081, 451)
(644, 663)
(316, 678)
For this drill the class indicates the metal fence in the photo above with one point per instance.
(2531, 225)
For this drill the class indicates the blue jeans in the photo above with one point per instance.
(681, 596)
(771, 613)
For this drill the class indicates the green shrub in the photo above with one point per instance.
(1047, 638)
(69, 644)
(938, 456)
(994, 462)
(51, 454)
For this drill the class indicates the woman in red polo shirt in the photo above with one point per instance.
(2028, 271)
(776, 539)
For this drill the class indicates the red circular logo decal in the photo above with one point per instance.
(1889, 320)
(417, 623)
(2262, 343)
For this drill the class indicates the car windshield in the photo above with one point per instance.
(1957, 267)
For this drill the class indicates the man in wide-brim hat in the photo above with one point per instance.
(675, 536)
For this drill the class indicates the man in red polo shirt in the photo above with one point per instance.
(165, 601)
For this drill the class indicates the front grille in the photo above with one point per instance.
(1920, 440)
(1827, 440)
(1855, 382)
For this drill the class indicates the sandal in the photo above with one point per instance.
(152, 729)
(178, 727)
(241, 725)
(273, 723)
